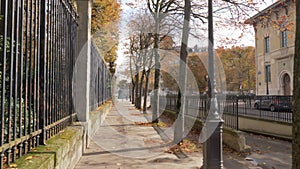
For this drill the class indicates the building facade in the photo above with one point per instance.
(274, 48)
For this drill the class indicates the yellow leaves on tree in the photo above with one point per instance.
(239, 66)
(110, 54)
(104, 12)
(105, 16)
(198, 69)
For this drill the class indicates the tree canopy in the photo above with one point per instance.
(105, 16)
(239, 66)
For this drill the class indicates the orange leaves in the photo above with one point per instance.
(290, 26)
(242, 35)
(186, 146)
(279, 16)
(105, 14)
(148, 124)
(238, 62)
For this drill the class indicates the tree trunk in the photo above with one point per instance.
(132, 92)
(159, 9)
(296, 94)
(132, 81)
(136, 89)
(179, 123)
(146, 92)
(141, 88)
(155, 109)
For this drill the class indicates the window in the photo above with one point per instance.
(268, 73)
(267, 44)
(284, 39)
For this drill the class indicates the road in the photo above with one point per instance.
(246, 109)
(231, 108)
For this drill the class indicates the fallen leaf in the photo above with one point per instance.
(13, 165)
(143, 123)
(28, 158)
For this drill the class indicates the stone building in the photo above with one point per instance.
(274, 44)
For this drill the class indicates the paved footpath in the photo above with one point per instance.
(120, 143)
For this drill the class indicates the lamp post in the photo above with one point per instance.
(208, 92)
(212, 153)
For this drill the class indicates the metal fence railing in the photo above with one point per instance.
(38, 49)
(269, 107)
(198, 107)
(273, 108)
(38, 42)
(100, 80)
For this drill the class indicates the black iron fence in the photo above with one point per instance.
(38, 51)
(270, 107)
(38, 42)
(273, 108)
(100, 80)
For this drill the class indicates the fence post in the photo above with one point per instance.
(43, 66)
(83, 65)
(83, 60)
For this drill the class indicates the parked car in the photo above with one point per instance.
(276, 103)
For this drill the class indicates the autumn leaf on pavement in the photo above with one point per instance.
(13, 165)
(28, 158)
(143, 123)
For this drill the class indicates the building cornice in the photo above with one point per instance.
(253, 19)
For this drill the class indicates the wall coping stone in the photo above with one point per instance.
(51, 154)
(56, 152)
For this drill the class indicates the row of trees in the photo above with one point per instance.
(239, 67)
(238, 62)
(155, 29)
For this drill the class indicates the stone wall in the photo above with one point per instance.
(267, 127)
(232, 138)
(61, 152)
(64, 150)
(235, 140)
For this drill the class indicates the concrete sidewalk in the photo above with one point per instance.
(122, 142)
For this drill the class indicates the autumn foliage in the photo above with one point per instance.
(104, 12)
(105, 16)
(237, 62)
(239, 66)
